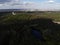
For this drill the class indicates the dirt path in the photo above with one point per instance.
(56, 22)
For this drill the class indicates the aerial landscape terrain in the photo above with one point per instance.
(29, 22)
(17, 28)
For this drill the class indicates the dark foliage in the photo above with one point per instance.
(19, 32)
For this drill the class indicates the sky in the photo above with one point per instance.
(30, 4)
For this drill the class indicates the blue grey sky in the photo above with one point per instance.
(30, 4)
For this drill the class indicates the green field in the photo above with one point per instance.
(21, 23)
(55, 16)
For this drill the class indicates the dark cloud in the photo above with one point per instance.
(4, 1)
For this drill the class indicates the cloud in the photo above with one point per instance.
(9, 1)
(4, 1)
(52, 5)
(44, 5)
(51, 1)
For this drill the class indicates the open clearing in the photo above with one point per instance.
(54, 16)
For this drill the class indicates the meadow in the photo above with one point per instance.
(18, 27)
(55, 16)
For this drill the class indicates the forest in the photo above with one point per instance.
(17, 29)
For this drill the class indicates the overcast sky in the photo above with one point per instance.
(30, 4)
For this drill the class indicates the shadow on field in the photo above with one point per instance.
(20, 32)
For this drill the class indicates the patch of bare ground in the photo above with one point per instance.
(56, 22)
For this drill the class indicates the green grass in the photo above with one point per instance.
(29, 16)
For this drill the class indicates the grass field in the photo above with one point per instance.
(55, 16)
(19, 27)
